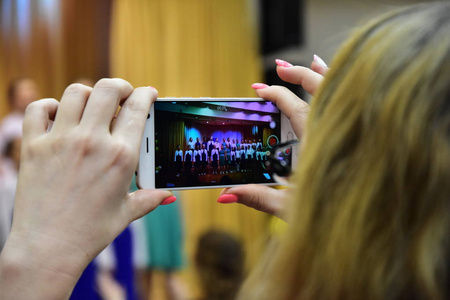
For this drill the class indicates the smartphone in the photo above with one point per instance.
(197, 143)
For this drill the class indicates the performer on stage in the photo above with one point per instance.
(178, 159)
(204, 158)
(188, 157)
(214, 159)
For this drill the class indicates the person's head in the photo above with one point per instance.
(203, 146)
(189, 147)
(21, 92)
(190, 139)
(197, 147)
(178, 147)
(219, 260)
(198, 139)
(371, 208)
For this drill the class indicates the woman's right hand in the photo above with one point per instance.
(264, 198)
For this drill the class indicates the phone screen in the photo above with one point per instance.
(204, 143)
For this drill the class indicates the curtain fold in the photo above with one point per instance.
(54, 42)
(196, 48)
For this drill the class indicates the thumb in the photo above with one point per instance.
(259, 197)
(141, 202)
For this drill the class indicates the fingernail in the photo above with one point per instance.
(169, 200)
(318, 60)
(153, 88)
(283, 63)
(258, 86)
(227, 198)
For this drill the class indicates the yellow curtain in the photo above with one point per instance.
(193, 48)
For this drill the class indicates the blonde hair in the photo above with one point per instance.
(370, 215)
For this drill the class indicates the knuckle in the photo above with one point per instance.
(83, 143)
(34, 106)
(76, 88)
(256, 202)
(302, 108)
(29, 150)
(107, 84)
(39, 105)
(122, 154)
(138, 106)
(112, 84)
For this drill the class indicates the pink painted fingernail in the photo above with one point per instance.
(320, 61)
(258, 86)
(169, 200)
(227, 198)
(283, 63)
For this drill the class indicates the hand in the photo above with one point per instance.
(72, 197)
(261, 197)
(294, 108)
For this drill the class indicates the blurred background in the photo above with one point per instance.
(195, 248)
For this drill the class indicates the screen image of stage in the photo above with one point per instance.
(203, 144)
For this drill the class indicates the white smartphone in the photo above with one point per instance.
(196, 143)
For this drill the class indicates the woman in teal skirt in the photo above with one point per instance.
(164, 243)
(221, 159)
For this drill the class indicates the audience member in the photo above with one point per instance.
(220, 263)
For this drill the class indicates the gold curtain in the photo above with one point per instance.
(54, 42)
(194, 48)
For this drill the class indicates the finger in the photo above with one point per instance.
(303, 76)
(130, 123)
(319, 66)
(294, 108)
(103, 102)
(259, 197)
(142, 202)
(72, 106)
(38, 116)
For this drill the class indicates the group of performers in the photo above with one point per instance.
(226, 157)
